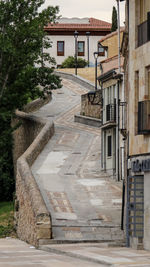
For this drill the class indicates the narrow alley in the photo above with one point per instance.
(84, 203)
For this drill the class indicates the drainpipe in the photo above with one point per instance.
(117, 98)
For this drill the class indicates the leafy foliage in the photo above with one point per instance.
(22, 70)
(69, 62)
(6, 219)
(114, 20)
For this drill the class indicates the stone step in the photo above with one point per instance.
(110, 243)
(87, 233)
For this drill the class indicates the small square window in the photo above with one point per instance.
(60, 48)
(101, 50)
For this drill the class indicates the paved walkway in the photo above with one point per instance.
(15, 253)
(85, 204)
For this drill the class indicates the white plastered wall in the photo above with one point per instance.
(69, 47)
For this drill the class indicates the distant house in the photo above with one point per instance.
(90, 31)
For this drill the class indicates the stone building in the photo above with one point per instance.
(136, 49)
(111, 82)
(90, 31)
(111, 41)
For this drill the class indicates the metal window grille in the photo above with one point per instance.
(111, 112)
(135, 207)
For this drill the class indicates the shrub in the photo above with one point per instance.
(69, 62)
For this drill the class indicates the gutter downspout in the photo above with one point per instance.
(117, 98)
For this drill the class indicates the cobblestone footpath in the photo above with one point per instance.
(85, 204)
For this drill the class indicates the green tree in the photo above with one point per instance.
(114, 20)
(22, 70)
(69, 62)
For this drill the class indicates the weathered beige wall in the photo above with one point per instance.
(91, 110)
(112, 43)
(138, 60)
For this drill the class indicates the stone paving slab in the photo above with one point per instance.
(14, 252)
(103, 254)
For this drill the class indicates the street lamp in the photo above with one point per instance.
(76, 50)
(96, 54)
(87, 35)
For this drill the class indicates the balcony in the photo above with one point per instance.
(144, 31)
(111, 112)
(144, 117)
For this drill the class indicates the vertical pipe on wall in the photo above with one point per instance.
(117, 97)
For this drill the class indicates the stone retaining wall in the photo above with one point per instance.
(33, 220)
(91, 106)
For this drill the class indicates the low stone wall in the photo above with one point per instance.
(76, 78)
(33, 220)
(88, 108)
(91, 104)
(37, 103)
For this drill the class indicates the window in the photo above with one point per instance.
(101, 50)
(147, 93)
(136, 100)
(144, 8)
(60, 48)
(109, 146)
(80, 48)
(143, 22)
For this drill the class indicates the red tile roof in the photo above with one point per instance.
(94, 24)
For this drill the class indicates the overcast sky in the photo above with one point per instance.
(99, 9)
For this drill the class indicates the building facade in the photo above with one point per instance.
(112, 144)
(112, 84)
(61, 34)
(136, 49)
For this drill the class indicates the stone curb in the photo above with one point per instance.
(78, 79)
(74, 255)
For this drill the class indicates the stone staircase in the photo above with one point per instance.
(82, 231)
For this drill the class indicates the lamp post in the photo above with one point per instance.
(76, 50)
(96, 57)
(88, 35)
